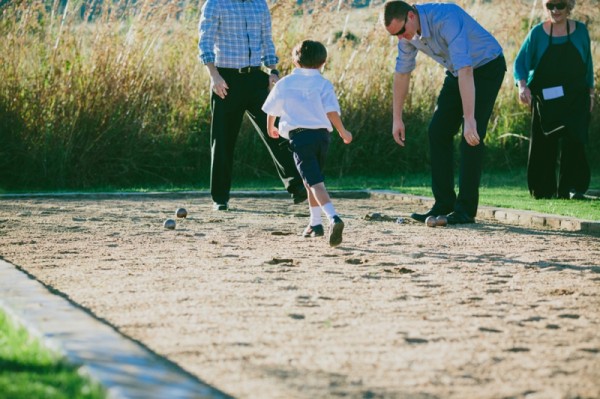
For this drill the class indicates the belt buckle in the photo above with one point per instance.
(245, 70)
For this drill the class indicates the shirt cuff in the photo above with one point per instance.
(207, 59)
(270, 60)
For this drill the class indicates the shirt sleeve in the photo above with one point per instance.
(329, 99)
(588, 56)
(522, 64)
(406, 59)
(274, 103)
(207, 28)
(269, 56)
(453, 31)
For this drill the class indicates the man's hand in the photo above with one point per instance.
(218, 85)
(272, 80)
(398, 132)
(470, 132)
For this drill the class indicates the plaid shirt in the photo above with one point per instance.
(236, 34)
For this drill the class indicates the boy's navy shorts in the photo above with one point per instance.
(310, 152)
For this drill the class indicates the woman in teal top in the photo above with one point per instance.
(554, 73)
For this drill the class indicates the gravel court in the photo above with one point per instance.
(243, 302)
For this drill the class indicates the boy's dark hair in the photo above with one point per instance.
(310, 54)
(395, 9)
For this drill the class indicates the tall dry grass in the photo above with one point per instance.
(122, 100)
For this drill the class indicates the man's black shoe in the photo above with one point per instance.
(576, 195)
(313, 231)
(335, 231)
(299, 196)
(220, 206)
(459, 218)
(420, 217)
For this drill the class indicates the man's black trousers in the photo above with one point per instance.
(446, 122)
(246, 95)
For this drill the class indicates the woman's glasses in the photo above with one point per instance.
(558, 6)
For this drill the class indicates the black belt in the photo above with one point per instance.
(243, 70)
(302, 129)
(491, 63)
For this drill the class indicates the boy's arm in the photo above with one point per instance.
(271, 129)
(336, 121)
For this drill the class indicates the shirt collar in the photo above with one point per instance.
(306, 71)
(422, 22)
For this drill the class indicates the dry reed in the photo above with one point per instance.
(113, 94)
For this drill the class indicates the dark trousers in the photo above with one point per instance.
(246, 95)
(574, 172)
(446, 121)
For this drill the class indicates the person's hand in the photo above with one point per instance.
(525, 95)
(273, 133)
(218, 85)
(272, 80)
(398, 132)
(470, 132)
(346, 136)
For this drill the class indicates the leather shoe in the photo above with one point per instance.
(420, 217)
(313, 231)
(220, 206)
(576, 195)
(299, 196)
(459, 218)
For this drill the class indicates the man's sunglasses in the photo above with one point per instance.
(558, 6)
(401, 31)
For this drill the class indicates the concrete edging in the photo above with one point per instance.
(513, 217)
(123, 367)
(503, 215)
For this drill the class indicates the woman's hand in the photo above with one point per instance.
(524, 94)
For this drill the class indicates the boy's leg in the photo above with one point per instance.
(310, 151)
(315, 226)
(336, 225)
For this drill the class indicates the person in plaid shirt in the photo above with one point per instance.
(234, 41)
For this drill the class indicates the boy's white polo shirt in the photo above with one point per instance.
(302, 100)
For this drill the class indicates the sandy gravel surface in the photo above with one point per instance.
(240, 300)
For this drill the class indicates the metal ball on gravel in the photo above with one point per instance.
(181, 213)
(431, 221)
(441, 221)
(170, 224)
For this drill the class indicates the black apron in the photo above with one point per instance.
(562, 68)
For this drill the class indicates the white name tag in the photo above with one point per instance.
(553, 92)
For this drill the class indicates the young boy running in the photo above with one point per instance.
(307, 107)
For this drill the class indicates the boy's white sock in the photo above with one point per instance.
(329, 210)
(315, 216)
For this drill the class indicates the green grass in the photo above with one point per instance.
(28, 370)
(499, 189)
